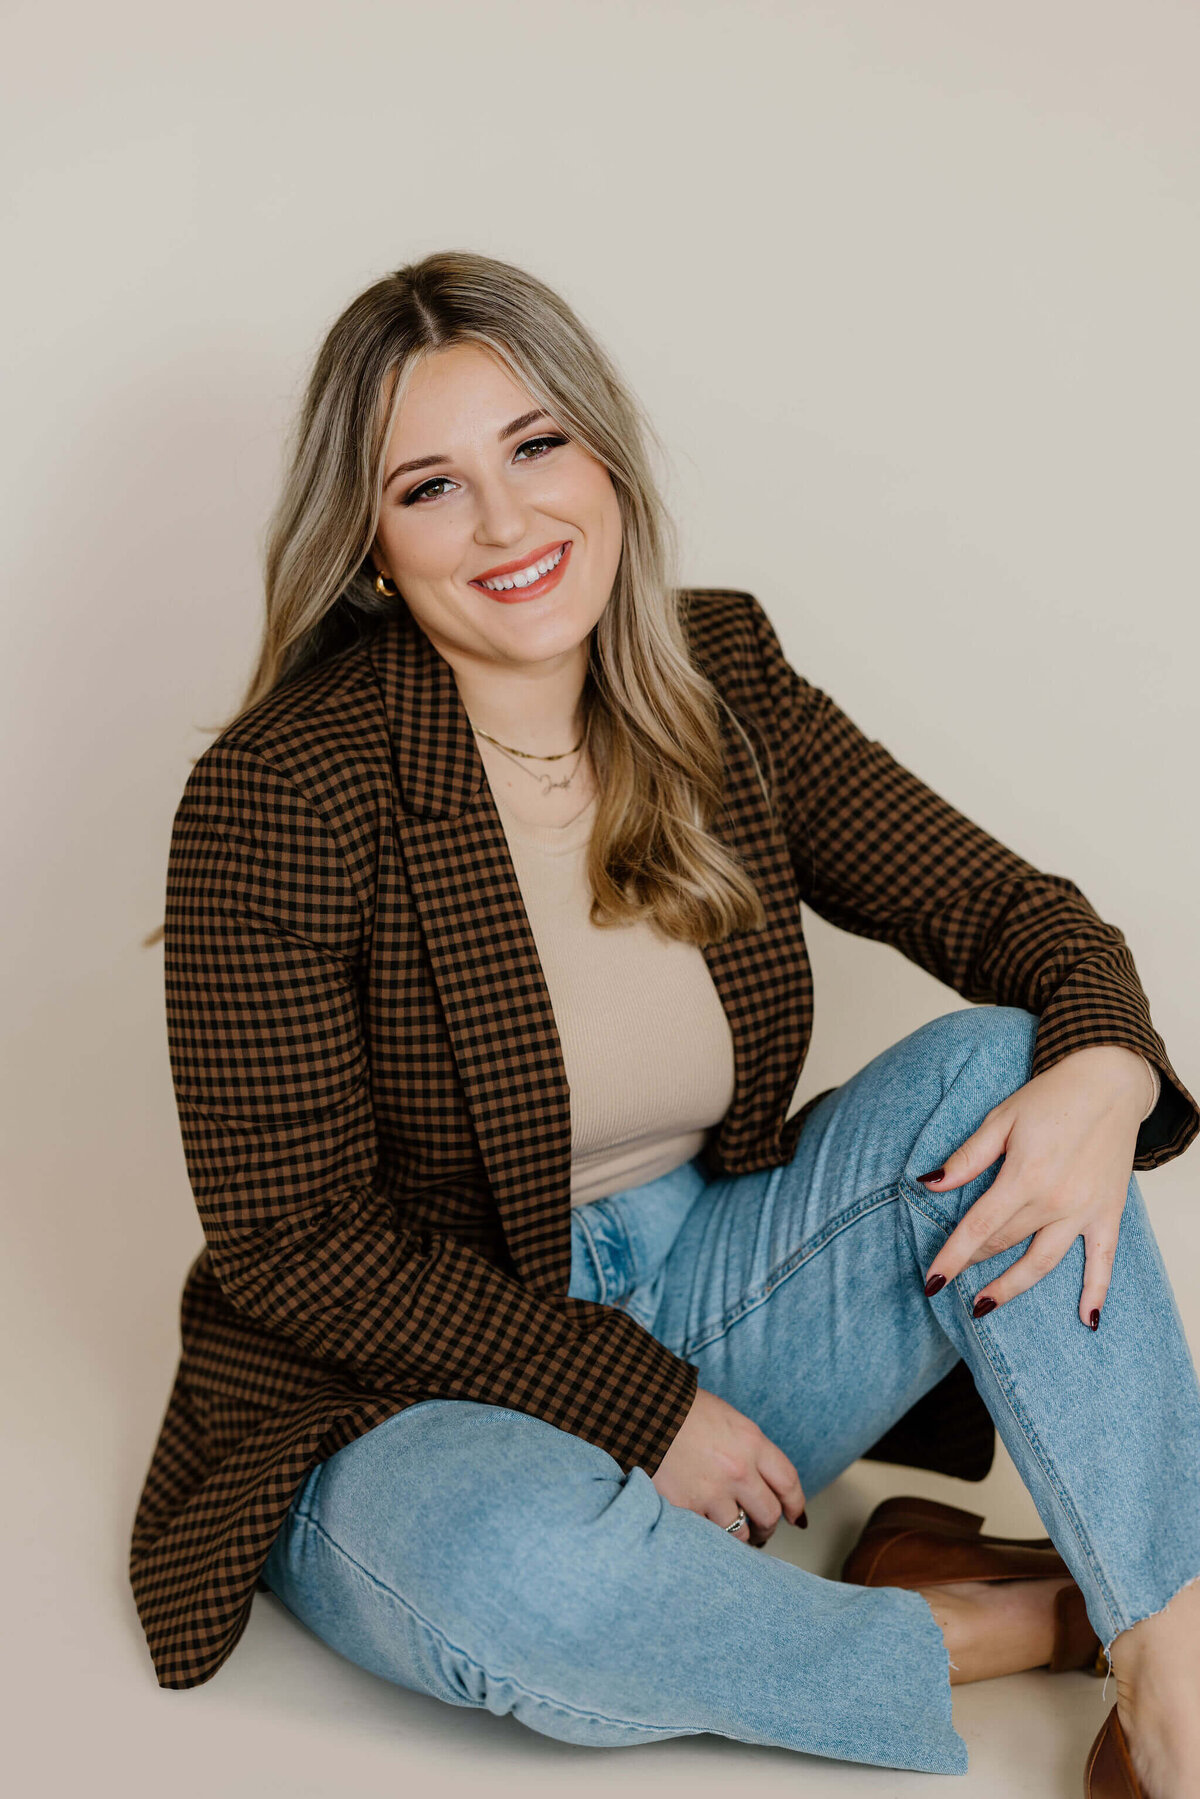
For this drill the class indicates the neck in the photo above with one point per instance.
(534, 707)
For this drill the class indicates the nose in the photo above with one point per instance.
(503, 518)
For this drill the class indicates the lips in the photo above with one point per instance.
(535, 589)
(514, 568)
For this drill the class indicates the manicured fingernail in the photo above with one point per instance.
(935, 1174)
(982, 1307)
(1094, 1320)
(802, 1520)
(934, 1284)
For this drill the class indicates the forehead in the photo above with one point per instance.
(458, 391)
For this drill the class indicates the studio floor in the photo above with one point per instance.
(287, 1716)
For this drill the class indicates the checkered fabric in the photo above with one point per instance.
(374, 1109)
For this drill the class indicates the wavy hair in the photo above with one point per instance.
(651, 716)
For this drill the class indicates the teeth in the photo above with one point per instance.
(527, 576)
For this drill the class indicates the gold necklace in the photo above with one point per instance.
(547, 785)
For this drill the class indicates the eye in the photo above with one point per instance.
(418, 493)
(552, 441)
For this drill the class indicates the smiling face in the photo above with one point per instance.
(501, 495)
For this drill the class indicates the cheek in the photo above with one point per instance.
(584, 493)
(611, 525)
(424, 548)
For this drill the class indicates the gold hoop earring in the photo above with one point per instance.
(384, 586)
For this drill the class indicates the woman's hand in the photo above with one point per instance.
(1068, 1139)
(720, 1460)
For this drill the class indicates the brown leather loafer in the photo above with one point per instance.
(909, 1542)
(1109, 1773)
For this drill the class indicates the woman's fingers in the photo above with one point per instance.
(781, 1476)
(979, 1151)
(984, 1229)
(1100, 1244)
(743, 1531)
(723, 1512)
(1046, 1250)
(761, 1506)
(766, 1493)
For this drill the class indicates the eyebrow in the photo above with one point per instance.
(404, 468)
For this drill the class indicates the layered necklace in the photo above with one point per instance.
(545, 780)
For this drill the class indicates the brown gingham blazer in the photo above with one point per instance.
(374, 1109)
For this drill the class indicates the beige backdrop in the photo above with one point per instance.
(911, 292)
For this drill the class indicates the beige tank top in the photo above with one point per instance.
(645, 1039)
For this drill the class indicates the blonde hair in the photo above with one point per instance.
(651, 716)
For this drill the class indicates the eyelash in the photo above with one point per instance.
(434, 480)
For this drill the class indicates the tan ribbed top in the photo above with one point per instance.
(645, 1039)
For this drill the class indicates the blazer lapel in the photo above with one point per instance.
(482, 953)
(489, 977)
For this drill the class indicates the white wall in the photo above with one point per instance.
(911, 293)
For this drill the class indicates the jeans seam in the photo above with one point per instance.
(630, 1254)
(601, 1282)
(795, 1259)
(1004, 1382)
(1003, 1377)
(457, 1649)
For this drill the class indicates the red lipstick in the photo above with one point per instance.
(542, 585)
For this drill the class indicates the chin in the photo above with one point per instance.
(552, 632)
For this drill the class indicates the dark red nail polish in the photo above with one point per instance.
(982, 1307)
(935, 1174)
(934, 1284)
(802, 1520)
(1094, 1320)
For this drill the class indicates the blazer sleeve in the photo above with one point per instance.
(878, 853)
(264, 932)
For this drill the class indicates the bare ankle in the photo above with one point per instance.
(1157, 1668)
(992, 1628)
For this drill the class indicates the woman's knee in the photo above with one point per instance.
(544, 1557)
(982, 1055)
(991, 1045)
(498, 1529)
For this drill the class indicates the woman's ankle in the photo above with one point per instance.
(992, 1628)
(1160, 1646)
(1157, 1667)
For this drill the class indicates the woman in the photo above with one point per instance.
(525, 1286)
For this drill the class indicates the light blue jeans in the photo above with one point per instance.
(487, 1558)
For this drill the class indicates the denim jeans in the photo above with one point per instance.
(483, 1556)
